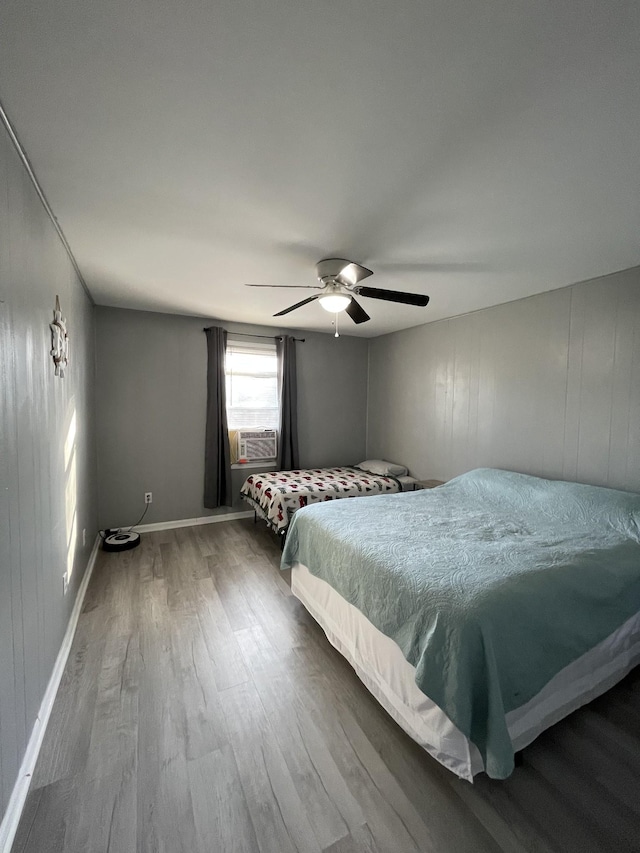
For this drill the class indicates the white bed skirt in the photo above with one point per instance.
(381, 666)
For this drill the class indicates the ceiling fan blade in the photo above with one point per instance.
(393, 296)
(352, 273)
(357, 312)
(342, 270)
(304, 286)
(293, 307)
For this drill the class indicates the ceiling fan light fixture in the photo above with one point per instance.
(334, 302)
(339, 285)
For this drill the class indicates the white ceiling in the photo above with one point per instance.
(475, 151)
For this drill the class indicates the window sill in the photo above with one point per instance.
(269, 464)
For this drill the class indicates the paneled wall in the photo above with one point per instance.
(47, 456)
(548, 385)
(152, 391)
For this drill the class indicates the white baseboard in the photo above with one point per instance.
(192, 522)
(18, 797)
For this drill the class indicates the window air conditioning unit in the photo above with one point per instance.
(257, 444)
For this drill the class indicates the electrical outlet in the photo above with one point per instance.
(65, 583)
(148, 497)
(84, 536)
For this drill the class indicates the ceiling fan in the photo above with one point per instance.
(340, 284)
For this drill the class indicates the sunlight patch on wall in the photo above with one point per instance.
(71, 492)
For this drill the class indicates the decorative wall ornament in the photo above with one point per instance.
(59, 340)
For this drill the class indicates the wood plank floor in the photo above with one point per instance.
(202, 709)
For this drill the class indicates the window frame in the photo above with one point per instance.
(251, 347)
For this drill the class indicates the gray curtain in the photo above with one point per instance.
(288, 458)
(217, 457)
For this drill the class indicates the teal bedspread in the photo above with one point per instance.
(490, 584)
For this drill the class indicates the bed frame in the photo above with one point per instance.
(380, 665)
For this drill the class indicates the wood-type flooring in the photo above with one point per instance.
(202, 710)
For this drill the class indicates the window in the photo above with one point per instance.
(252, 386)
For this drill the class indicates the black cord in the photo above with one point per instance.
(140, 519)
(120, 530)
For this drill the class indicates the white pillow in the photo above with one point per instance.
(384, 469)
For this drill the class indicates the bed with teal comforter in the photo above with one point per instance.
(490, 584)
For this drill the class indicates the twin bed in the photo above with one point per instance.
(276, 495)
(478, 613)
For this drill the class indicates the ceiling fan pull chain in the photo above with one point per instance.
(336, 334)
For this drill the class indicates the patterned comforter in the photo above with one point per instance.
(276, 495)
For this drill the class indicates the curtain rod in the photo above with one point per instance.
(248, 335)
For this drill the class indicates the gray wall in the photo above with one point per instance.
(548, 385)
(152, 404)
(42, 484)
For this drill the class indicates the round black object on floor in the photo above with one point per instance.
(120, 541)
